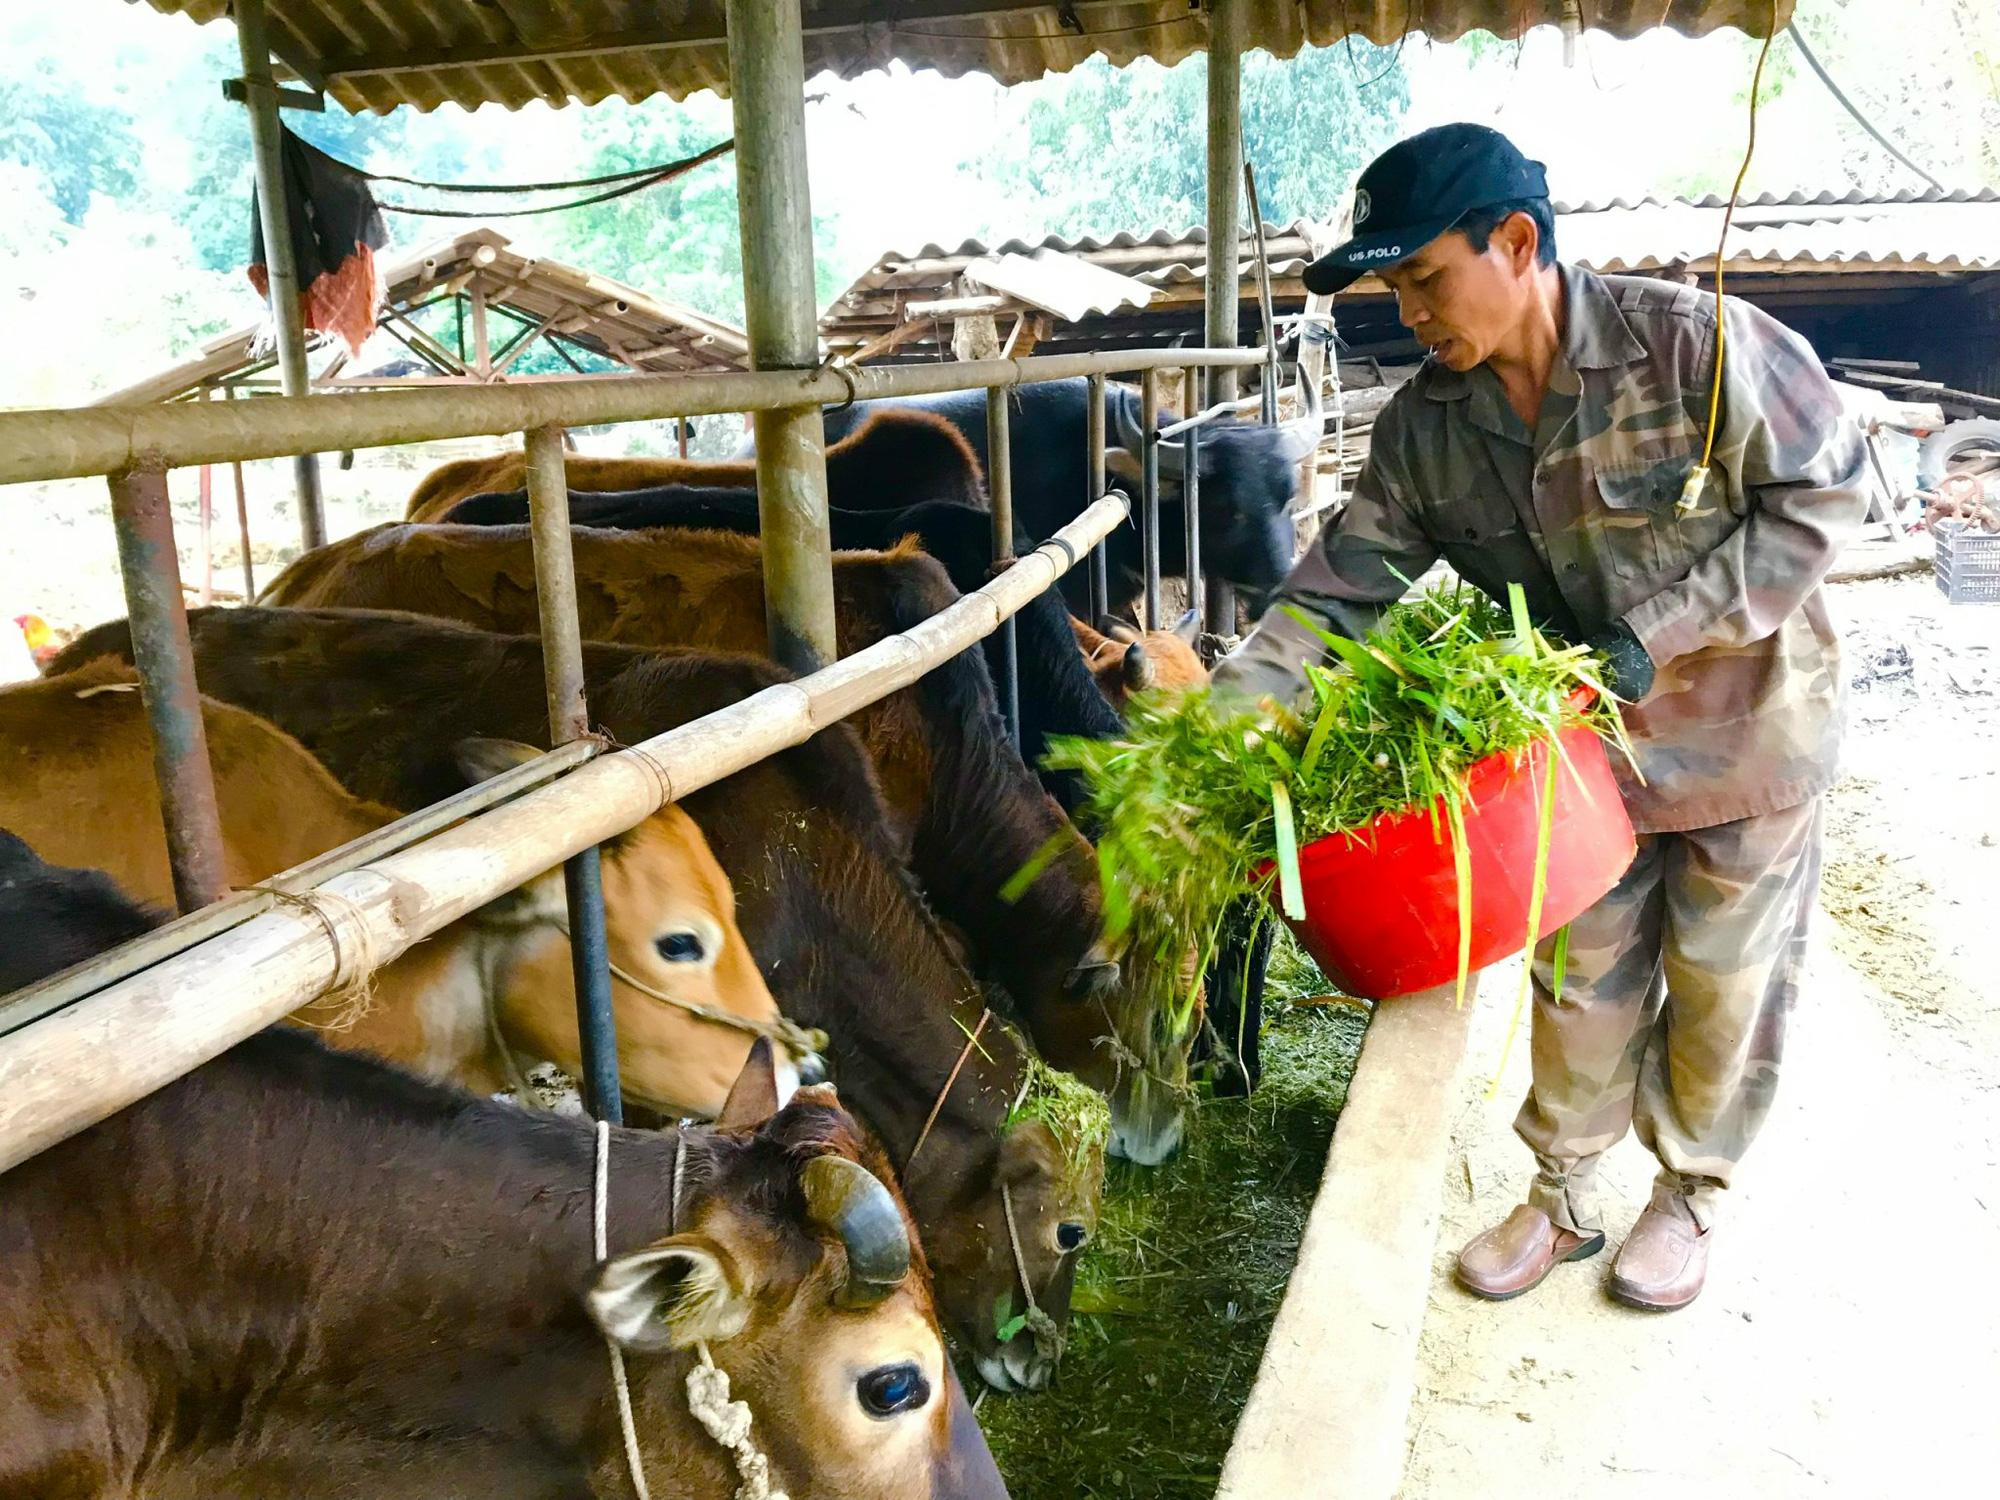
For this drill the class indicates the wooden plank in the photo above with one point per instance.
(1328, 1412)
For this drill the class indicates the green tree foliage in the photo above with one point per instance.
(1099, 149)
(679, 239)
(77, 147)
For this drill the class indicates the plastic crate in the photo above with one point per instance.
(1968, 563)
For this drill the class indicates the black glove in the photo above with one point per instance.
(1628, 670)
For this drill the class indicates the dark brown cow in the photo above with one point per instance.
(299, 1272)
(910, 454)
(976, 814)
(843, 941)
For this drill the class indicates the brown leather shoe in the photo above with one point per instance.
(1515, 1255)
(1663, 1262)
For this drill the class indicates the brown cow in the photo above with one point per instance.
(1126, 661)
(473, 1002)
(843, 940)
(299, 1272)
(911, 454)
(974, 812)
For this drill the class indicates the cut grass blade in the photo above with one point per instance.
(1545, 820)
(1291, 892)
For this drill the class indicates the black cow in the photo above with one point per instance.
(1058, 694)
(52, 917)
(1249, 478)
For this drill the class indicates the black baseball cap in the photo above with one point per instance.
(1419, 188)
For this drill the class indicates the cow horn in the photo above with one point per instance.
(1173, 455)
(1302, 434)
(850, 1200)
(1138, 671)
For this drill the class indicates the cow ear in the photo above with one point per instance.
(479, 759)
(753, 1098)
(671, 1295)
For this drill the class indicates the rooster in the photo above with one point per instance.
(42, 642)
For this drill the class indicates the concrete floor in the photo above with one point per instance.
(1848, 1343)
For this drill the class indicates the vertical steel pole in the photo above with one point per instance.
(151, 570)
(207, 532)
(1149, 495)
(569, 719)
(774, 210)
(1225, 168)
(243, 523)
(1100, 583)
(1191, 402)
(1000, 484)
(260, 97)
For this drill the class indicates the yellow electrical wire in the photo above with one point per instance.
(1698, 476)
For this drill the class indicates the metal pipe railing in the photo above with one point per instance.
(1191, 499)
(151, 571)
(143, 1032)
(569, 721)
(1099, 582)
(1149, 498)
(85, 441)
(1000, 492)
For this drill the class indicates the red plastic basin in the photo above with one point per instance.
(1382, 903)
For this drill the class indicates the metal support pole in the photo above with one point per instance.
(205, 594)
(569, 719)
(266, 150)
(1000, 484)
(1149, 496)
(151, 570)
(1225, 170)
(767, 96)
(1100, 584)
(1225, 167)
(1191, 402)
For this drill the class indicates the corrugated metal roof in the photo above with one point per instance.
(606, 317)
(1914, 233)
(378, 54)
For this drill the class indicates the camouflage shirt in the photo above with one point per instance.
(1745, 714)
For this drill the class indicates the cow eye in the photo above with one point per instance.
(891, 1389)
(680, 948)
(1071, 1237)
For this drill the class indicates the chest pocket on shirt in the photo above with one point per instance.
(1639, 531)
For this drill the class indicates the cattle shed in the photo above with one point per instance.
(1910, 278)
(490, 307)
(84, 1045)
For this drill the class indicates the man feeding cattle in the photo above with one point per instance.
(1557, 438)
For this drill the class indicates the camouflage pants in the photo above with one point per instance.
(1672, 1017)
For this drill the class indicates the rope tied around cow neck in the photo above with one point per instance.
(937, 1104)
(783, 1032)
(1048, 1335)
(725, 1421)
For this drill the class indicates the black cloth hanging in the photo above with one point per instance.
(336, 228)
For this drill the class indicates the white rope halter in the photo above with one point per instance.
(728, 1422)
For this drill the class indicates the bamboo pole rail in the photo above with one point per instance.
(83, 1063)
(83, 442)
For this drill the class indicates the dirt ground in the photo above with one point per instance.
(1848, 1343)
